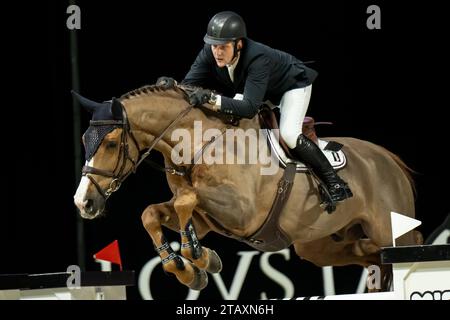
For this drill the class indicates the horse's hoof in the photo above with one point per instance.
(200, 280)
(215, 263)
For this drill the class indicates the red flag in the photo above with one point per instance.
(110, 253)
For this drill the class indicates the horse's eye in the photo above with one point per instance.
(111, 144)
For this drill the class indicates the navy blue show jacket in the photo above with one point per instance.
(262, 73)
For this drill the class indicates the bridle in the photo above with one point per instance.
(118, 175)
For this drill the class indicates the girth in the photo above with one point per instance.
(269, 237)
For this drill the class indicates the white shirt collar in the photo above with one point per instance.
(231, 67)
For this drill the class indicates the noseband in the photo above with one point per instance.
(118, 175)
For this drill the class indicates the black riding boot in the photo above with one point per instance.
(309, 153)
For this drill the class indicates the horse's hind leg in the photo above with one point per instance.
(186, 272)
(327, 252)
(366, 247)
(202, 257)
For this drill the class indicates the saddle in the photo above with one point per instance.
(268, 119)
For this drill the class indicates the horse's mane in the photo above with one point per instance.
(152, 88)
(180, 90)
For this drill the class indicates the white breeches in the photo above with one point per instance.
(293, 107)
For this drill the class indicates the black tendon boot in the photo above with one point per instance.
(309, 153)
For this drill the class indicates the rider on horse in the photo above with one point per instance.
(233, 64)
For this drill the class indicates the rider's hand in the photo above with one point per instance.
(166, 82)
(200, 97)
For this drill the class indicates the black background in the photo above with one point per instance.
(387, 86)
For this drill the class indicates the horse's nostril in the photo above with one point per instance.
(88, 207)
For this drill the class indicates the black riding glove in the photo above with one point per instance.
(199, 97)
(166, 82)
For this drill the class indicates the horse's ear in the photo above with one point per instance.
(89, 105)
(116, 109)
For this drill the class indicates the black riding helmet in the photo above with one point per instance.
(224, 27)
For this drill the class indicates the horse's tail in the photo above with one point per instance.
(406, 170)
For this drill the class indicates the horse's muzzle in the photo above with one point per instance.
(89, 208)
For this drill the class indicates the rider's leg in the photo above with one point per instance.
(293, 107)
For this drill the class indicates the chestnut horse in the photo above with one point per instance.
(235, 199)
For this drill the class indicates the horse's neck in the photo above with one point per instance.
(150, 115)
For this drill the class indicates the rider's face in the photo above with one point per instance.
(223, 53)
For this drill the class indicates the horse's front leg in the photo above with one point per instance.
(186, 272)
(202, 257)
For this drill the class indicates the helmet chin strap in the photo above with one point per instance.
(235, 50)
